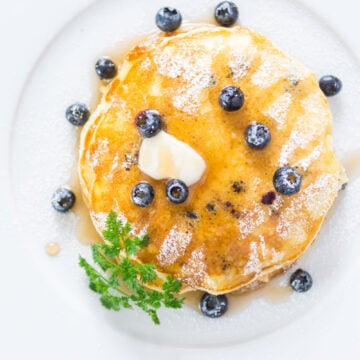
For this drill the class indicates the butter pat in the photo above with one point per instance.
(165, 157)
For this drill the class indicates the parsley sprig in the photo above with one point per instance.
(123, 286)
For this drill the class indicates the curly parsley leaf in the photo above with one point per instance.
(123, 285)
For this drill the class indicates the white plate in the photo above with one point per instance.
(50, 311)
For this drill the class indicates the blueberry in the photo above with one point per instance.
(192, 215)
(168, 19)
(231, 98)
(287, 181)
(63, 200)
(257, 135)
(330, 85)
(77, 114)
(301, 281)
(268, 198)
(148, 123)
(142, 194)
(177, 191)
(213, 305)
(105, 68)
(211, 207)
(226, 13)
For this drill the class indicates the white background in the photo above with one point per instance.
(33, 319)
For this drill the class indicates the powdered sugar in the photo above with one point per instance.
(251, 220)
(318, 197)
(254, 264)
(291, 225)
(279, 109)
(129, 161)
(276, 256)
(239, 66)
(174, 246)
(99, 219)
(305, 163)
(263, 246)
(194, 269)
(307, 128)
(241, 59)
(195, 72)
(276, 205)
(275, 66)
(102, 148)
(145, 65)
(114, 166)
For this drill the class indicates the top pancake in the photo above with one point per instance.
(222, 238)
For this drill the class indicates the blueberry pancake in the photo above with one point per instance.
(240, 128)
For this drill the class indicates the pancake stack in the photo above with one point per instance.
(234, 231)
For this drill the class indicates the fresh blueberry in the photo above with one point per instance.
(142, 194)
(330, 85)
(63, 200)
(177, 191)
(148, 123)
(231, 98)
(287, 181)
(105, 68)
(257, 135)
(77, 114)
(168, 19)
(213, 305)
(226, 13)
(301, 281)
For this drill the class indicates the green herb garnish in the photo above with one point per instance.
(123, 286)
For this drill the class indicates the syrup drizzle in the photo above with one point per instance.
(85, 231)
(52, 248)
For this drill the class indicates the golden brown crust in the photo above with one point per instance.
(235, 240)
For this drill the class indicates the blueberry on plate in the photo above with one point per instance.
(177, 191)
(63, 200)
(77, 114)
(226, 13)
(257, 135)
(231, 98)
(330, 85)
(105, 68)
(213, 305)
(168, 19)
(148, 123)
(301, 281)
(142, 194)
(287, 181)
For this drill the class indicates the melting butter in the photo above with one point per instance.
(165, 157)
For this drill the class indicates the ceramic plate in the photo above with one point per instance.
(48, 309)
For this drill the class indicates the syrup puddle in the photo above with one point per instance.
(270, 292)
(351, 163)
